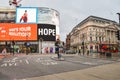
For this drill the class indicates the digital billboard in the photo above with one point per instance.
(19, 32)
(26, 15)
(7, 15)
(35, 15)
(46, 32)
(49, 16)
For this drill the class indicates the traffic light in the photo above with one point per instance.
(118, 34)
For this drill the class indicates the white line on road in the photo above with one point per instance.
(4, 65)
(27, 61)
(15, 58)
(20, 61)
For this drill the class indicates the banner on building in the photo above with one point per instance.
(19, 32)
(7, 15)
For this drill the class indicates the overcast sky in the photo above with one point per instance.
(73, 12)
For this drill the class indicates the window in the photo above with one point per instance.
(96, 38)
(90, 39)
(100, 39)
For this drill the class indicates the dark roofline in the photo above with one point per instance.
(94, 17)
(103, 19)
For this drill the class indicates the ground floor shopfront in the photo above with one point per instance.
(100, 49)
(32, 47)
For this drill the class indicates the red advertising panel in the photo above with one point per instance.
(19, 32)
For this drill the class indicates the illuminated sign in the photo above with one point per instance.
(18, 32)
(47, 32)
(26, 15)
(7, 17)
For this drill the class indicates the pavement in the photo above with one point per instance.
(104, 72)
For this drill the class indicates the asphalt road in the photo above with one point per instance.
(22, 67)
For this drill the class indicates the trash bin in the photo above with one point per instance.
(108, 54)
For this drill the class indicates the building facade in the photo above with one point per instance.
(96, 35)
(47, 21)
(68, 42)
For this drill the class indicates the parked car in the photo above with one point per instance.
(70, 52)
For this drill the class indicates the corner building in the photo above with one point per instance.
(45, 18)
(96, 35)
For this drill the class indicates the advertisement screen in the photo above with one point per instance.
(26, 15)
(46, 32)
(48, 16)
(7, 16)
(19, 32)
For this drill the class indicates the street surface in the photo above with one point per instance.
(28, 66)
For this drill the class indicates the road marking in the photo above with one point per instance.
(54, 63)
(23, 79)
(4, 65)
(10, 64)
(89, 63)
(15, 58)
(27, 61)
(20, 61)
(15, 64)
(6, 61)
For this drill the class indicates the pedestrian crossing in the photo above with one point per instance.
(17, 61)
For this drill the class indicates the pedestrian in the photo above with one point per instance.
(87, 52)
(4, 51)
(57, 46)
(79, 52)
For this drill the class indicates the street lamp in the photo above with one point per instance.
(100, 44)
(13, 43)
(109, 44)
(108, 54)
(40, 46)
(26, 45)
(90, 41)
(83, 43)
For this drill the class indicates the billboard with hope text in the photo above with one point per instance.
(47, 32)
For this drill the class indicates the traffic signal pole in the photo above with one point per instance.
(119, 17)
(118, 35)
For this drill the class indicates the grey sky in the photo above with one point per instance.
(74, 11)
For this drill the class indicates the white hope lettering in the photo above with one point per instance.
(46, 31)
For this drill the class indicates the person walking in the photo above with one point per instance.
(79, 52)
(57, 43)
(87, 52)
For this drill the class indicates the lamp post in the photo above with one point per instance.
(109, 44)
(90, 40)
(100, 44)
(26, 44)
(13, 43)
(40, 45)
(83, 43)
(108, 54)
